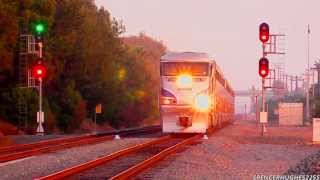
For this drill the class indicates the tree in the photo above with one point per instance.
(88, 63)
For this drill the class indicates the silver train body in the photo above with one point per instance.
(194, 95)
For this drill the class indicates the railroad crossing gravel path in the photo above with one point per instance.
(45, 164)
(238, 152)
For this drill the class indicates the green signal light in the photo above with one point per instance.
(40, 28)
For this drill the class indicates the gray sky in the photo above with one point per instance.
(227, 30)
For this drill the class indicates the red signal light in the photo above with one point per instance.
(39, 71)
(264, 32)
(263, 67)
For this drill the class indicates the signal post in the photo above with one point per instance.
(269, 40)
(263, 72)
(39, 70)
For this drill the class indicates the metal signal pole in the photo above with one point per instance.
(269, 40)
(40, 119)
(263, 126)
(40, 129)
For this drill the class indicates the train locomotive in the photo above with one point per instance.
(194, 95)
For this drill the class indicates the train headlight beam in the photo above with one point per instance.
(184, 80)
(202, 102)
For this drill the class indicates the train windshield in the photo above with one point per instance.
(192, 68)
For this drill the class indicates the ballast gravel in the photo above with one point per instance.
(308, 166)
(238, 151)
(45, 164)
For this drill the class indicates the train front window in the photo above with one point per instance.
(192, 68)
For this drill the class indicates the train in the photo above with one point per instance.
(194, 96)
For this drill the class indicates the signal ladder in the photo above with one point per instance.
(26, 48)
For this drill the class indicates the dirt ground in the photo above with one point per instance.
(238, 151)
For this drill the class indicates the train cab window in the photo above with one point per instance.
(192, 68)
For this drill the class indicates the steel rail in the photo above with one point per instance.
(24, 147)
(51, 145)
(20, 147)
(23, 154)
(91, 164)
(129, 173)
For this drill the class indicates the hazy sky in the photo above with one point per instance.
(227, 30)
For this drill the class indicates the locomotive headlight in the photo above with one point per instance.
(202, 102)
(184, 80)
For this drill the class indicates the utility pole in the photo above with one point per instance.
(297, 84)
(312, 83)
(257, 109)
(245, 111)
(291, 85)
(317, 68)
(286, 76)
(307, 98)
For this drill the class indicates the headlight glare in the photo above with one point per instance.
(184, 80)
(202, 102)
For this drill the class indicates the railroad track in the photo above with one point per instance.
(25, 150)
(128, 162)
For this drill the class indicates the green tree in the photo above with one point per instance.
(88, 63)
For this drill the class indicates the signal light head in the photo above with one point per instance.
(264, 32)
(264, 38)
(39, 71)
(263, 67)
(39, 28)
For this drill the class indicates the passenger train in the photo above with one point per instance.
(194, 95)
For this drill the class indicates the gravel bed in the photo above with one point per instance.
(237, 152)
(45, 164)
(308, 166)
(112, 168)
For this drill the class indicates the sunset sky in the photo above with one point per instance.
(227, 30)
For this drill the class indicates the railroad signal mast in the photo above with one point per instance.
(263, 71)
(270, 41)
(39, 70)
